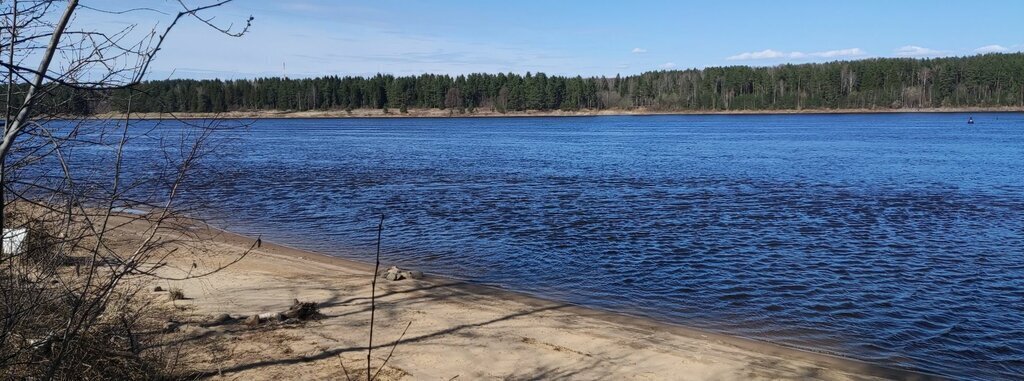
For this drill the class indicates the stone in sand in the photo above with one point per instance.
(158, 289)
(253, 320)
(393, 276)
(220, 319)
(171, 326)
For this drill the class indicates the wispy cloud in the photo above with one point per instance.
(775, 54)
(364, 50)
(992, 49)
(917, 51)
(301, 6)
(852, 52)
(639, 50)
(762, 55)
(667, 65)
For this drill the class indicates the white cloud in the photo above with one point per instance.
(774, 54)
(917, 51)
(991, 49)
(762, 55)
(668, 65)
(639, 50)
(852, 52)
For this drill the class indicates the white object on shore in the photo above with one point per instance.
(268, 315)
(14, 240)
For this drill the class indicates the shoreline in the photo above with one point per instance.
(616, 320)
(439, 113)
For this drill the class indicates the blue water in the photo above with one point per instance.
(896, 239)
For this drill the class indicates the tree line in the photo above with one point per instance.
(989, 80)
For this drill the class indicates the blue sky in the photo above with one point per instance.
(316, 37)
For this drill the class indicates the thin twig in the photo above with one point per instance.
(393, 346)
(343, 368)
(373, 297)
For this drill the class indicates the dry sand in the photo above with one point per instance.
(459, 331)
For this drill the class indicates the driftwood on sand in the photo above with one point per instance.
(299, 311)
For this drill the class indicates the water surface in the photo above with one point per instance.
(896, 239)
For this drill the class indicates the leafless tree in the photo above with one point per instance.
(453, 99)
(69, 305)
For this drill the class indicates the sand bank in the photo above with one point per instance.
(439, 113)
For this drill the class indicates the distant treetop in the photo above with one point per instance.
(990, 80)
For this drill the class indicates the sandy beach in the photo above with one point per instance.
(455, 330)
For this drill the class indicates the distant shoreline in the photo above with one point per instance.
(439, 113)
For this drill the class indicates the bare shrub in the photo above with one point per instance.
(70, 306)
(176, 294)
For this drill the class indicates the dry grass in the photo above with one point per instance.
(176, 294)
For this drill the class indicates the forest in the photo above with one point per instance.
(990, 80)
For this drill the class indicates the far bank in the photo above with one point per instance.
(449, 113)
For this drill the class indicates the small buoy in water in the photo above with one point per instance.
(970, 120)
